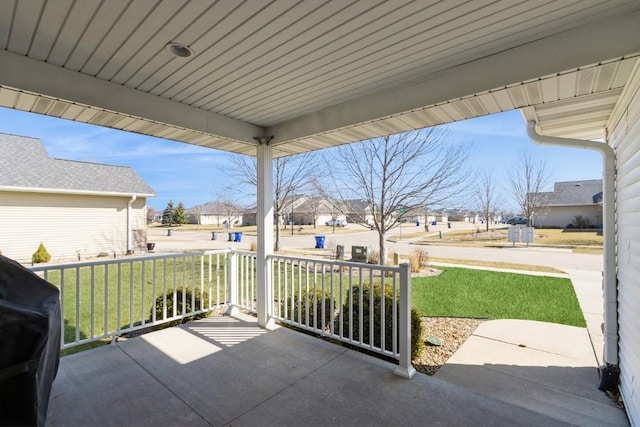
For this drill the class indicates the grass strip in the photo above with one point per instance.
(495, 264)
(459, 292)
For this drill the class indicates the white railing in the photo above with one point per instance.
(105, 299)
(367, 306)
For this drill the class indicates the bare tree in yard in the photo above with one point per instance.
(528, 179)
(290, 175)
(196, 213)
(486, 197)
(399, 173)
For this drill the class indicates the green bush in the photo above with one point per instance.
(189, 296)
(41, 255)
(308, 299)
(416, 323)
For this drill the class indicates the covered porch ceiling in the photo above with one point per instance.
(315, 74)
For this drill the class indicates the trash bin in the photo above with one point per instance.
(150, 246)
(417, 223)
(30, 331)
(433, 223)
(169, 232)
(237, 236)
(448, 225)
(319, 242)
(340, 252)
(214, 235)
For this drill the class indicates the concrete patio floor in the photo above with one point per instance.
(227, 371)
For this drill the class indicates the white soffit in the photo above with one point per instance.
(311, 73)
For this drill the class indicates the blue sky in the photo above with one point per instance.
(195, 175)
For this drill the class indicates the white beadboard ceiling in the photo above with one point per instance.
(316, 73)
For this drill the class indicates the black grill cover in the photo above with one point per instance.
(29, 344)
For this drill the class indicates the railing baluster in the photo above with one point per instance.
(93, 301)
(77, 322)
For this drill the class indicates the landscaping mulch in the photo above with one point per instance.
(452, 332)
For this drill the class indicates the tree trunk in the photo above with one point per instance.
(381, 248)
(277, 242)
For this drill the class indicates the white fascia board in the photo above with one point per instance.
(77, 192)
(30, 75)
(588, 44)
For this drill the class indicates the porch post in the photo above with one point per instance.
(264, 221)
(405, 368)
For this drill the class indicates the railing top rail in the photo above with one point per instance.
(354, 264)
(128, 259)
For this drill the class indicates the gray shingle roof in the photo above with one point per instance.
(24, 163)
(568, 193)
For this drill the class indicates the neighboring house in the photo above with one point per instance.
(358, 211)
(307, 210)
(571, 200)
(216, 213)
(303, 210)
(76, 209)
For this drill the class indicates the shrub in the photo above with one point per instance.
(253, 246)
(308, 299)
(373, 257)
(41, 255)
(416, 323)
(189, 295)
(419, 260)
(582, 222)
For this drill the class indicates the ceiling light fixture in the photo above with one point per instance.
(178, 49)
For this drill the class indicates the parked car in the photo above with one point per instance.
(517, 220)
(335, 223)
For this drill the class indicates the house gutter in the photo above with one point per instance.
(129, 225)
(609, 372)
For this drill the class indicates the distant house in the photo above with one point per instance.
(303, 210)
(76, 209)
(216, 213)
(571, 204)
(308, 210)
(358, 211)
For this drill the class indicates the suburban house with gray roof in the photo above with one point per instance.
(571, 204)
(76, 209)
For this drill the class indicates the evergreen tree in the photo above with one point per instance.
(168, 214)
(180, 215)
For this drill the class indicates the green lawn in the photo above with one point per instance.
(459, 292)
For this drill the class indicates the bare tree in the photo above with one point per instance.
(486, 196)
(290, 176)
(196, 213)
(395, 174)
(528, 179)
(151, 214)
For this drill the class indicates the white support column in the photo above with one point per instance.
(264, 219)
(405, 368)
(233, 282)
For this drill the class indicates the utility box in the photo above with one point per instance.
(527, 235)
(359, 253)
(514, 234)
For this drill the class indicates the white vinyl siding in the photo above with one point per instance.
(67, 225)
(625, 138)
(562, 216)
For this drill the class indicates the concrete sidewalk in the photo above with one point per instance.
(544, 367)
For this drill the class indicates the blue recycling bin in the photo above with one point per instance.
(417, 223)
(433, 223)
(237, 236)
(319, 242)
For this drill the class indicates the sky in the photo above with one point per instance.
(195, 175)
